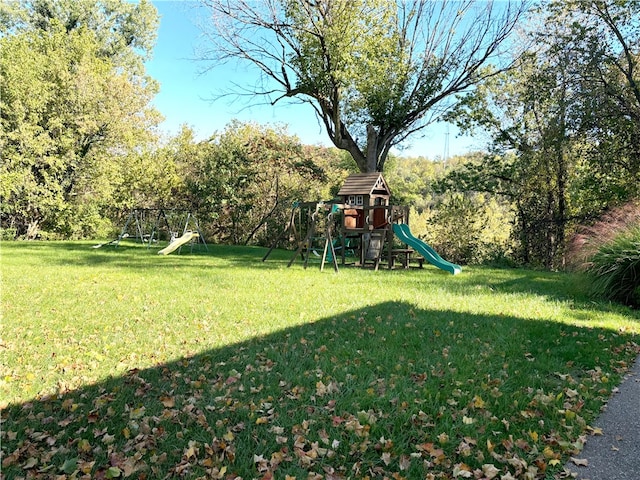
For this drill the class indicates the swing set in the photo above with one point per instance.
(151, 225)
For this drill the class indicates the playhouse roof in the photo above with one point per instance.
(365, 184)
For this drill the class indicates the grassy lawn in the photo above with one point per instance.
(119, 363)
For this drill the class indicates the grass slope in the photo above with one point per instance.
(119, 363)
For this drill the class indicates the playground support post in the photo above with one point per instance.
(328, 243)
(291, 225)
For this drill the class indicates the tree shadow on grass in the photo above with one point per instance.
(387, 391)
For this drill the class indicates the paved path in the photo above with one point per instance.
(615, 455)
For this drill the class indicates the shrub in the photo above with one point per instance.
(8, 233)
(466, 229)
(609, 252)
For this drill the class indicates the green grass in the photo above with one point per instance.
(118, 362)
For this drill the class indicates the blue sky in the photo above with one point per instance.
(186, 94)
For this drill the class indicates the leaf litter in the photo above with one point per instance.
(326, 405)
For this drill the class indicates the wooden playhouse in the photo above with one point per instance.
(368, 215)
(366, 198)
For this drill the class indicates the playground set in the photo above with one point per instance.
(149, 225)
(360, 222)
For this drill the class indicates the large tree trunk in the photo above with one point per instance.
(372, 149)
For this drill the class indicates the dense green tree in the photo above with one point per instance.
(69, 116)
(471, 227)
(147, 178)
(244, 181)
(374, 71)
(125, 31)
(468, 228)
(412, 180)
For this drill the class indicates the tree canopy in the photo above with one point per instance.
(74, 104)
(375, 71)
(125, 31)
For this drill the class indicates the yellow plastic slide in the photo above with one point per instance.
(178, 242)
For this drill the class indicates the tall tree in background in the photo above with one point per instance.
(526, 116)
(74, 102)
(125, 31)
(374, 71)
(563, 125)
(604, 36)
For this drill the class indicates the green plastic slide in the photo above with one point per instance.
(403, 232)
(178, 242)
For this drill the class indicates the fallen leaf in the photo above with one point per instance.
(113, 472)
(462, 470)
(190, 452)
(69, 466)
(84, 445)
(478, 402)
(490, 471)
(405, 462)
(571, 393)
(548, 452)
(137, 413)
(581, 462)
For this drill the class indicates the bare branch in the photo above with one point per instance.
(372, 71)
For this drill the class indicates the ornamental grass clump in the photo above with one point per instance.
(609, 252)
